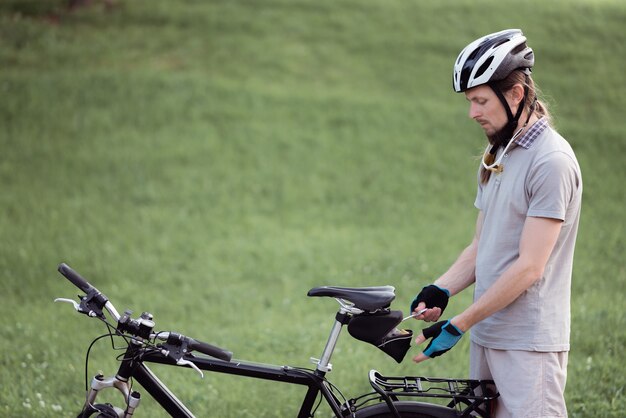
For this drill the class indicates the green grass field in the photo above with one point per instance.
(210, 162)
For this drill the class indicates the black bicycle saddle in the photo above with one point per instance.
(366, 298)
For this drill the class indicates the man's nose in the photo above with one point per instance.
(473, 111)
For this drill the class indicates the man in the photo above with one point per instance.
(520, 260)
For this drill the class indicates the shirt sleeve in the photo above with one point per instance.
(552, 185)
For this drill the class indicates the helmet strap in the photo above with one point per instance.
(512, 119)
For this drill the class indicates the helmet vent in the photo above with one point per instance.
(473, 55)
(483, 67)
(498, 43)
(518, 48)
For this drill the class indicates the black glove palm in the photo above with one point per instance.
(433, 296)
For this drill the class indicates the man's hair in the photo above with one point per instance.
(519, 77)
(540, 107)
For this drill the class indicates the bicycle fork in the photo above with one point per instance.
(99, 382)
(120, 382)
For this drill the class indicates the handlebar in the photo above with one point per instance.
(210, 350)
(94, 301)
(75, 278)
(193, 344)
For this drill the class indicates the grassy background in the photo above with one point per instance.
(210, 162)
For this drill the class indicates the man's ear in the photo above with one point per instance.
(515, 96)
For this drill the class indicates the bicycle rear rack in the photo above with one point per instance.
(466, 396)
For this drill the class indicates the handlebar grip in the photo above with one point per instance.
(209, 350)
(75, 278)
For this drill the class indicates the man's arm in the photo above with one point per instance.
(463, 272)
(536, 244)
(459, 276)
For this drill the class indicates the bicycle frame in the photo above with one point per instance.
(315, 383)
(314, 380)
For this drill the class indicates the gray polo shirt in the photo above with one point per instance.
(541, 178)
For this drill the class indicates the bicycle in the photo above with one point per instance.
(366, 311)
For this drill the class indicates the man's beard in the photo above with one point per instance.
(501, 137)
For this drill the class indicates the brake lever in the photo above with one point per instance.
(176, 352)
(76, 306)
(73, 302)
(182, 362)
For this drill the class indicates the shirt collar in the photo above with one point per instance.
(526, 140)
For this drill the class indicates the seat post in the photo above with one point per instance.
(342, 318)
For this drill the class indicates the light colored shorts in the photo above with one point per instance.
(531, 383)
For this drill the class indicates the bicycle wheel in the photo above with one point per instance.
(407, 410)
(99, 411)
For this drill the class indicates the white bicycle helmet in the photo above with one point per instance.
(490, 58)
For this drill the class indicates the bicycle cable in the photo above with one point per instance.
(87, 358)
(112, 332)
(335, 388)
(330, 384)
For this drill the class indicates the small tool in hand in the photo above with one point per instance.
(418, 313)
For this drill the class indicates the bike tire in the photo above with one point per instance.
(407, 410)
(102, 411)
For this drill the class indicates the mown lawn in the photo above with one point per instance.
(210, 162)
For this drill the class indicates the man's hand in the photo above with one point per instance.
(444, 336)
(423, 313)
(434, 299)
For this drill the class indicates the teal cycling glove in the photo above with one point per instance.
(444, 336)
